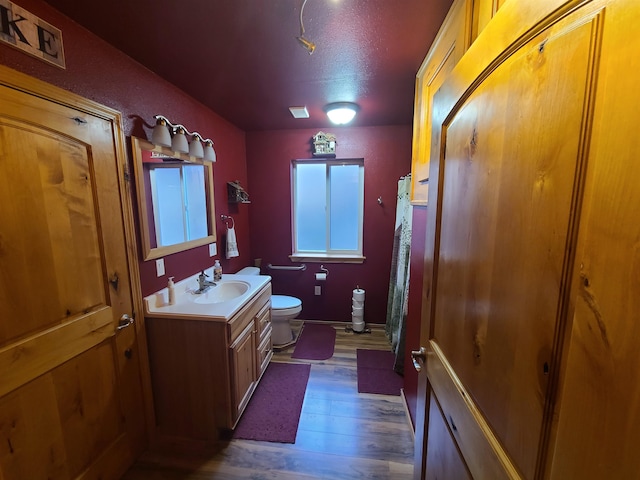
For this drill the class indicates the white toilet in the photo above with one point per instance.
(283, 309)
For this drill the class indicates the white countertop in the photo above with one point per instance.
(185, 306)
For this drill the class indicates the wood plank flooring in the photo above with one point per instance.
(342, 434)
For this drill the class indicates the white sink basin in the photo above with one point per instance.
(219, 303)
(223, 292)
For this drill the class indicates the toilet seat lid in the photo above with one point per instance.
(281, 302)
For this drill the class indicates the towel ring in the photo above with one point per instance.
(226, 219)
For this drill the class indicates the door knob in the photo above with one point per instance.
(124, 322)
(419, 357)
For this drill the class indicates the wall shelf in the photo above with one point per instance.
(237, 194)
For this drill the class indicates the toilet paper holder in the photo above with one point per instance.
(322, 274)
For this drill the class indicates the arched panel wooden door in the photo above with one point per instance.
(530, 328)
(71, 403)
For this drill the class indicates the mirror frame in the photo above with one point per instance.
(138, 145)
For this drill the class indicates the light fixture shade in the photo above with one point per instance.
(179, 141)
(209, 152)
(160, 135)
(195, 146)
(341, 113)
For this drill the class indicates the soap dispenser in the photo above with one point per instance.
(217, 271)
(172, 291)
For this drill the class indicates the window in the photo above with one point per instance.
(328, 197)
(179, 203)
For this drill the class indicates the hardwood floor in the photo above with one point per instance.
(342, 434)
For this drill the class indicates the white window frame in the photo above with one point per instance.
(328, 255)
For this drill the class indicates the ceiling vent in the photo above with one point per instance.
(299, 112)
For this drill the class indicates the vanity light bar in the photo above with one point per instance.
(166, 134)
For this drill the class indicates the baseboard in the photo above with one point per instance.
(408, 414)
(373, 326)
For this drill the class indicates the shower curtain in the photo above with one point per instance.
(397, 301)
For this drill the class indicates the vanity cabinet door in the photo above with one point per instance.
(244, 368)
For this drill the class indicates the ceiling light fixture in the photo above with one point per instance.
(166, 134)
(341, 113)
(308, 45)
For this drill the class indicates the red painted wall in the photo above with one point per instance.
(387, 156)
(414, 315)
(101, 73)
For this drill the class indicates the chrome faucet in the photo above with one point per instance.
(203, 283)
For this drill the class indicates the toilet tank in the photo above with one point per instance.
(249, 271)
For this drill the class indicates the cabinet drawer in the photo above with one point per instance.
(265, 351)
(263, 320)
(247, 315)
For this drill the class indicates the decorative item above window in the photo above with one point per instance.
(324, 145)
(236, 194)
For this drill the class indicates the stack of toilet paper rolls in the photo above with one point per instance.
(357, 310)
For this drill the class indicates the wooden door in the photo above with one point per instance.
(71, 402)
(450, 44)
(514, 168)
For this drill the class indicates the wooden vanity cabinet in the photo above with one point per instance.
(204, 371)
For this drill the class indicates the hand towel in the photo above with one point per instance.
(232, 243)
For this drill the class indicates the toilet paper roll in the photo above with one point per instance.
(321, 277)
(358, 326)
(359, 311)
(358, 294)
(358, 303)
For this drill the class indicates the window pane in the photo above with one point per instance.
(168, 202)
(345, 200)
(196, 202)
(311, 207)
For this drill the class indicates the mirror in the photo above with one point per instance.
(175, 200)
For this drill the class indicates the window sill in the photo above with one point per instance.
(323, 257)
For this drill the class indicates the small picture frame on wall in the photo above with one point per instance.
(324, 145)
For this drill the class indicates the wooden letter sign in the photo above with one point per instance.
(30, 34)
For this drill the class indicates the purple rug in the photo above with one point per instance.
(274, 410)
(316, 342)
(376, 374)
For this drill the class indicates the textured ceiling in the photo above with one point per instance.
(241, 57)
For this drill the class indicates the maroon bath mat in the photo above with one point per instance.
(316, 342)
(376, 374)
(274, 410)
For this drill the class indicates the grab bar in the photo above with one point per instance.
(286, 267)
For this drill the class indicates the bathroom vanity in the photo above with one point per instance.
(207, 354)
